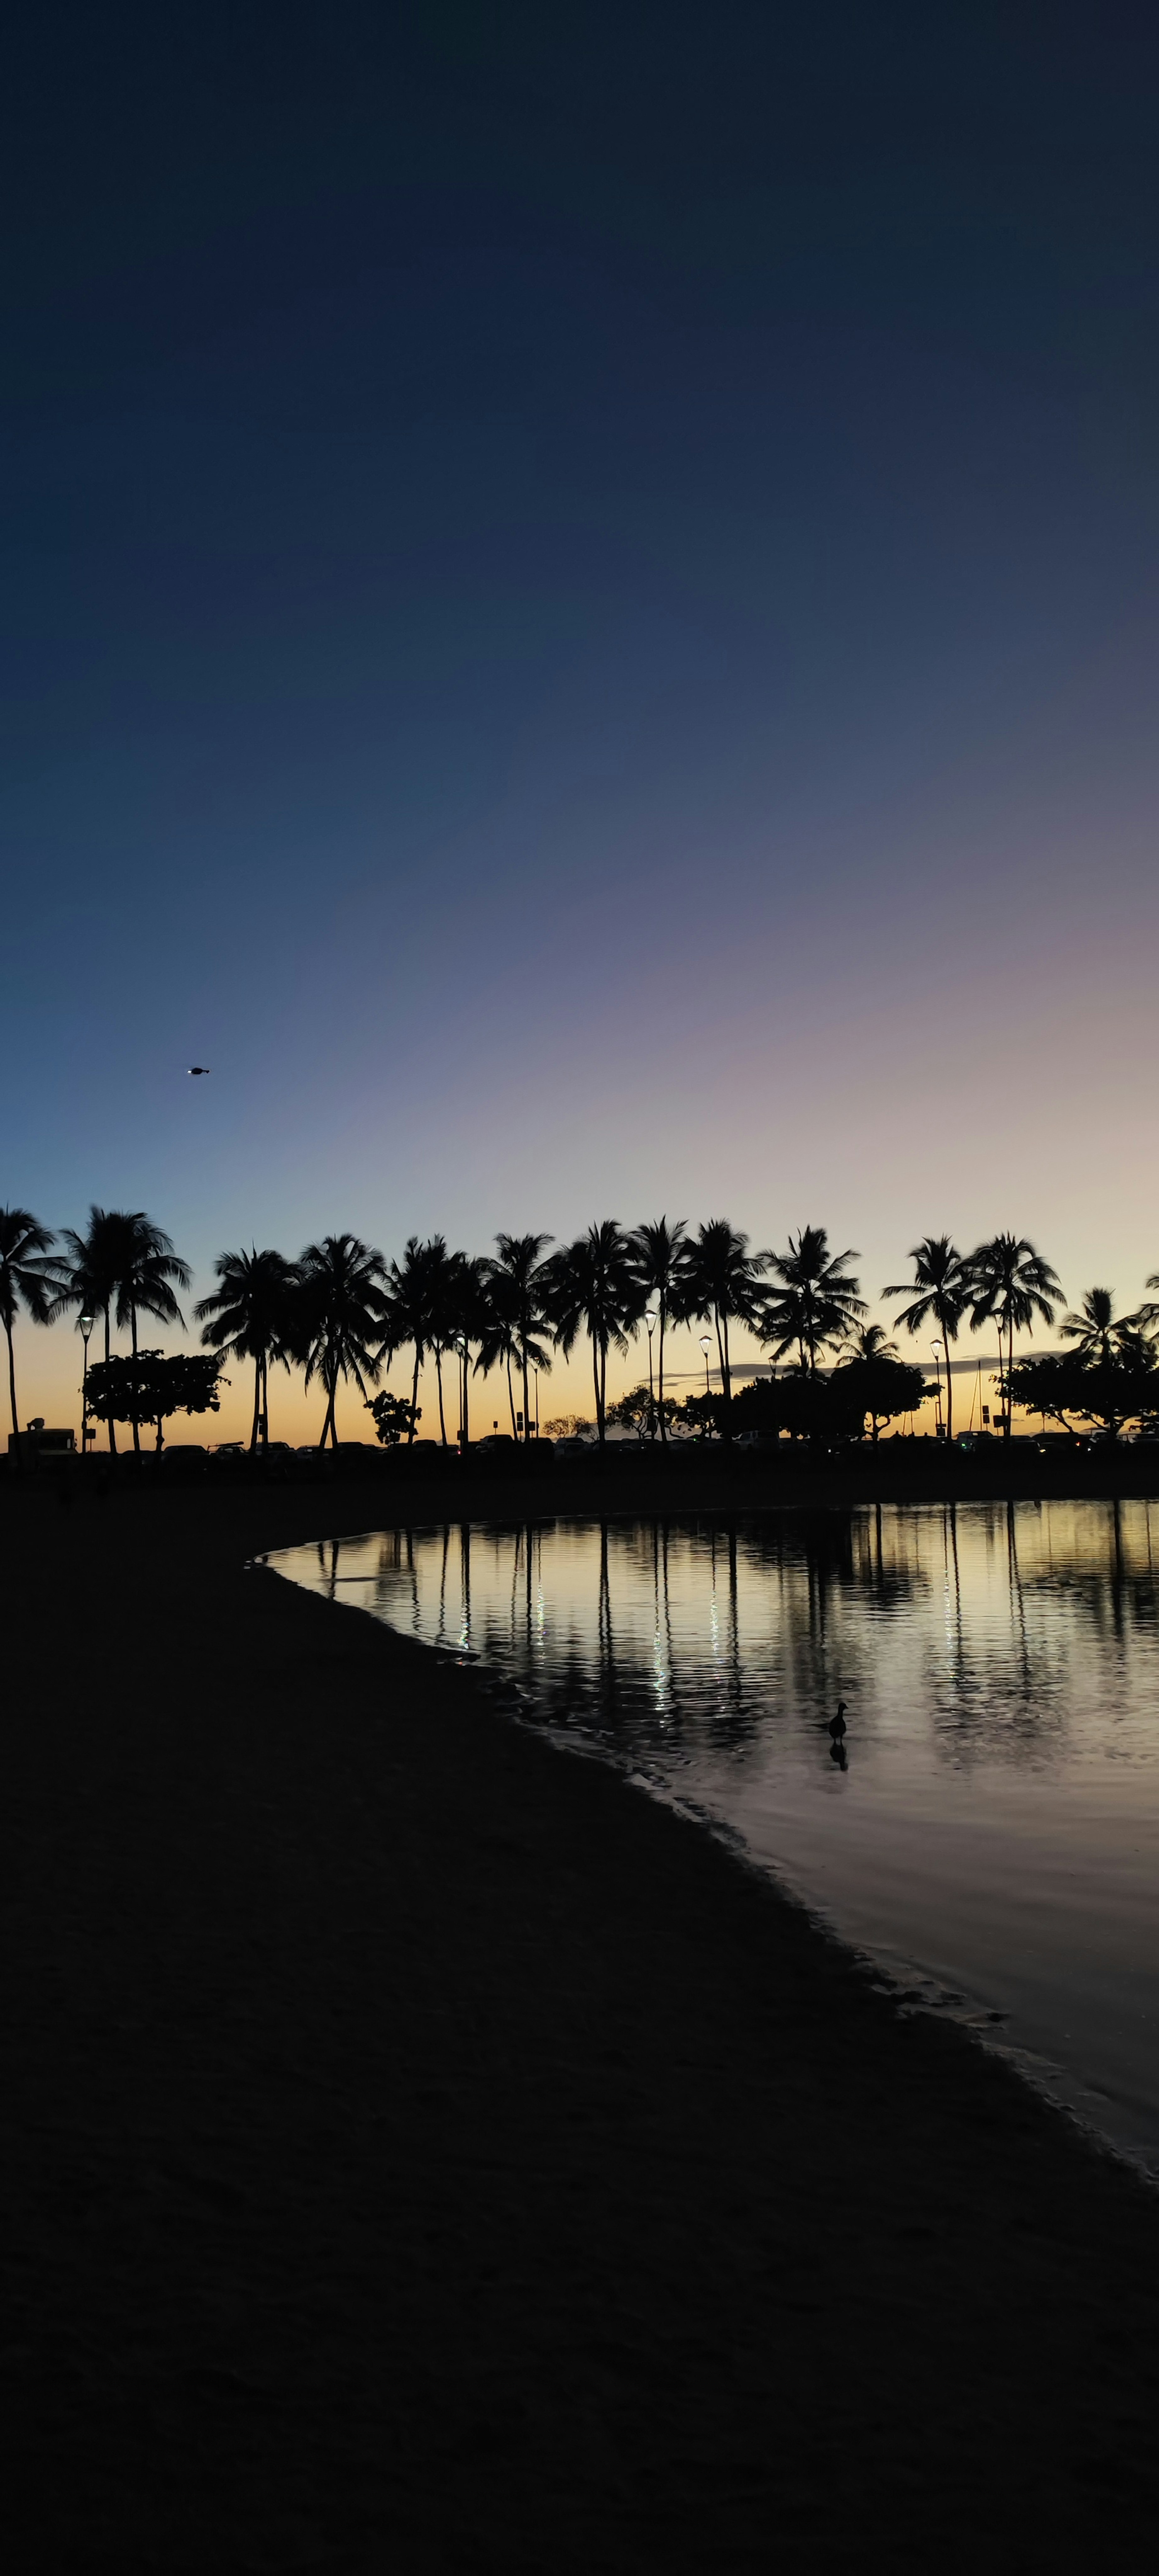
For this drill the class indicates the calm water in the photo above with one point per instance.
(994, 1836)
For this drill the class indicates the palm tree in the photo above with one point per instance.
(252, 1315)
(1145, 1319)
(26, 1279)
(869, 1342)
(660, 1256)
(942, 1280)
(342, 1310)
(413, 1309)
(148, 1266)
(1095, 1329)
(517, 1283)
(124, 1258)
(816, 1302)
(592, 1287)
(721, 1284)
(1011, 1284)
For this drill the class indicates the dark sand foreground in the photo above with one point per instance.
(422, 2152)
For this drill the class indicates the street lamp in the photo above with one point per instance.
(706, 1346)
(86, 1324)
(936, 1347)
(651, 1319)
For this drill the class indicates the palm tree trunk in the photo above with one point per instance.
(660, 1377)
(12, 1384)
(110, 1425)
(257, 1403)
(949, 1385)
(414, 1398)
(596, 1384)
(265, 1402)
(136, 1416)
(511, 1396)
(526, 1395)
(439, 1375)
(465, 1401)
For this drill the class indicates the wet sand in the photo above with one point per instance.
(421, 2151)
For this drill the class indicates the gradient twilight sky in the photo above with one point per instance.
(581, 618)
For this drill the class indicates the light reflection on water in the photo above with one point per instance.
(995, 1827)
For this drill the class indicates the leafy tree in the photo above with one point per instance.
(517, 1285)
(568, 1426)
(150, 1386)
(394, 1418)
(877, 1387)
(1011, 1284)
(721, 1285)
(252, 1315)
(641, 1412)
(340, 1318)
(27, 1279)
(702, 1416)
(1063, 1384)
(815, 1304)
(660, 1258)
(592, 1288)
(943, 1284)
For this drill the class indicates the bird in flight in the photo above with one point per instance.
(197, 1068)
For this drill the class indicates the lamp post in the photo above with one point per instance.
(650, 1319)
(86, 1324)
(936, 1347)
(706, 1346)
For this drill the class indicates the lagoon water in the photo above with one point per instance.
(993, 1836)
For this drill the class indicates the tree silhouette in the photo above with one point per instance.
(660, 1257)
(1010, 1284)
(592, 1287)
(126, 1259)
(1095, 1330)
(942, 1280)
(27, 1279)
(341, 1312)
(413, 1308)
(721, 1285)
(517, 1284)
(252, 1315)
(815, 1304)
(148, 1267)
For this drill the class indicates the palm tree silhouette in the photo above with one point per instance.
(1011, 1284)
(1095, 1329)
(942, 1280)
(252, 1315)
(412, 1311)
(870, 1342)
(27, 1279)
(816, 1303)
(592, 1287)
(516, 1283)
(124, 1258)
(341, 1312)
(148, 1266)
(660, 1257)
(721, 1284)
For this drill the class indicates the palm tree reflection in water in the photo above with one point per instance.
(956, 1626)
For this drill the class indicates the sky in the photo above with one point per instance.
(580, 626)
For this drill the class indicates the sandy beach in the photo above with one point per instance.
(422, 2151)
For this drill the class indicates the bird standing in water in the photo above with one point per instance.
(837, 1724)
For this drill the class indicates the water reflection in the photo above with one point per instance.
(989, 1802)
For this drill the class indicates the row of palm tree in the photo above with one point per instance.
(343, 1313)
